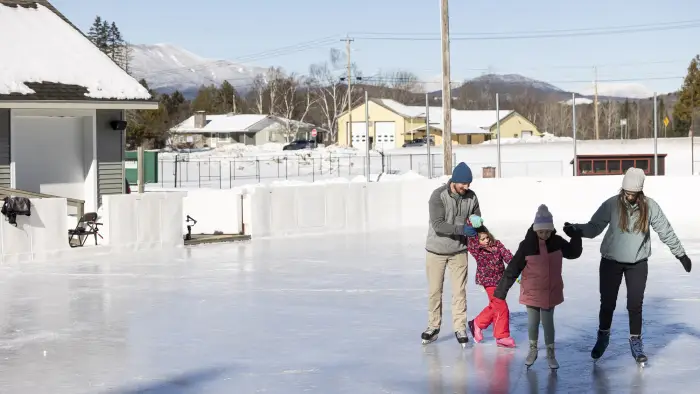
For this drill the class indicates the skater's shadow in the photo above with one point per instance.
(534, 384)
(659, 330)
(435, 383)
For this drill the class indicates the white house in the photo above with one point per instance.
(203, 129)
(62, 105)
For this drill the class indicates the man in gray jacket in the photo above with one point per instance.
(449, 207)
(625, 251)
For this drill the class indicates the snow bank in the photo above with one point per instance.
(508, 205)
(545, 138)
(44, 48)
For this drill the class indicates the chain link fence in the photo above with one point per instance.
(228, 172)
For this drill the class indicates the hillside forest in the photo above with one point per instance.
(320, 97)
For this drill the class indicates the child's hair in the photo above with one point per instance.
(484, 230)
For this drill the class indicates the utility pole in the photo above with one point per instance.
(595, 101)
(498, 134)
(234, 103)
(348, 132)
(446, 89)
(427, 135)
(656, 136)
(573, 131)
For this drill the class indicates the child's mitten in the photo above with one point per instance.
(476, 221)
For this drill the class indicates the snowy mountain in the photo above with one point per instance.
(515, 80)
(167, 68)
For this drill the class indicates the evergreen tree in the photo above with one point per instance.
(98, 33)
(688, 99)
(115, 44)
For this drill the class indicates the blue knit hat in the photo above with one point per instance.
(543, 219)
(462, 174)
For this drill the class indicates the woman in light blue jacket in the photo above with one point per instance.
(625, 251)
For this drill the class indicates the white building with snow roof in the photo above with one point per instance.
(62, 104)
(202, 129)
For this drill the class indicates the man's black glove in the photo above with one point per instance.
(572, 231)
(686, 262)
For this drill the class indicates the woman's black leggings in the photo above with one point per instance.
(611, 273)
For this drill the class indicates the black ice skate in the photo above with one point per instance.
(462, 338)
(601, 344)
(637, 348)
(430, 335)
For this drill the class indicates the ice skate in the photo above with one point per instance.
(476, 332)
(505, 342)
(637, 348)
(429, 335)
(532, 354)
(601, 344)
(462, 338)
(551, 359)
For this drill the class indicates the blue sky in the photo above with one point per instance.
(234, 29)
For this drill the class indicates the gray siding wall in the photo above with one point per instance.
(110, 154)
(5, 148)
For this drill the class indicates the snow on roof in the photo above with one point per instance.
(45, 48)
(461, 119)
(232, 123)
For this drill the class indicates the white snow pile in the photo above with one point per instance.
(44, 48)
(545, 138)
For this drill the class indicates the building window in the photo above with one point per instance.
(627, 164)
(469, 139)
(644, 165)
(614, 166)
(584, 166)
(599, 166)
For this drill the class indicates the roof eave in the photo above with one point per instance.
(80, 104)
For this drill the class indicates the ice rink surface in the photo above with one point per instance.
(322, 314)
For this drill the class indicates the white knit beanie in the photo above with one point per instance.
(633, 180)
(543, 219)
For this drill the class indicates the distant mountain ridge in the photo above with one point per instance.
(167, 68)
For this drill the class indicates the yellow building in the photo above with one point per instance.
(391, 124)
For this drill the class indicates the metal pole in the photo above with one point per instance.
(140, 170)
(367, 142)
(692, 151)
(573, 127)
(498, 134)
(348, 132)
(446, 89)
(427, 133)
(656, 134)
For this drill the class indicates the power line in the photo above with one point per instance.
(562, 33)
(296, 48)
(408, 80)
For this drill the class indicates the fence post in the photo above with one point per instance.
(286, 168)
(313, 169)
(257, 169)
(220, 174)
(175, 171)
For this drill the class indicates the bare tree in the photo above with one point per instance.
(258, 92)
(294, 103)
(329, 94)
(275, 79)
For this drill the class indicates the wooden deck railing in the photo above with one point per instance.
(72, 202)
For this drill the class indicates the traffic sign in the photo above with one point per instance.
(314, 133)
(666, 121)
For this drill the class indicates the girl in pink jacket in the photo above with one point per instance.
(539, 259)
(491, 256)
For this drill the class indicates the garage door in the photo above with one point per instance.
(386, 135)
(359, 134)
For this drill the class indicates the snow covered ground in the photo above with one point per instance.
(237, 165)
(322, 314)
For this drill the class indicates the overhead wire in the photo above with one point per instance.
(559, 33)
